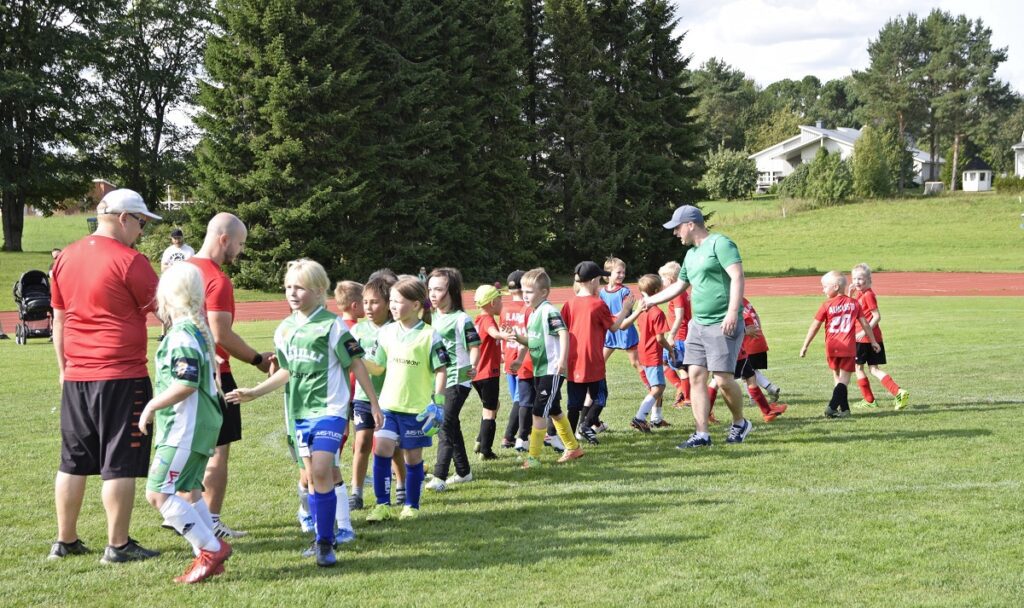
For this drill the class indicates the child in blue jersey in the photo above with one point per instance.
(414, 357)
(458, 333)
(315, 352)
(188, 419)
(614, 294)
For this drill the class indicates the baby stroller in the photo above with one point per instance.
(35, 316)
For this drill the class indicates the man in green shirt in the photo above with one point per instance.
(713, 267)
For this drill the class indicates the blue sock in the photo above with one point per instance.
(326, 505)
(312, 506)
(415, 473)
(382, 479)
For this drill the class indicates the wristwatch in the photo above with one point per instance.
(257, 360)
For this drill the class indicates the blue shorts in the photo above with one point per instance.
(323, 434)
(655, 375)
(667, 356)
(624, 339)
(403, 429)
(362, 415)
(576, 393)
(525, 392)
(513, 383)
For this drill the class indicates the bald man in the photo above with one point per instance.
(224, 242)
(101, 292)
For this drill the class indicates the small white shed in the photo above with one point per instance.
(977, 176)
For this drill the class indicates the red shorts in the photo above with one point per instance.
(846, 364)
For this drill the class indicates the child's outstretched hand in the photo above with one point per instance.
(239, 395)
(803, 352)
(628, 303)
(144, 419)
(514, 367)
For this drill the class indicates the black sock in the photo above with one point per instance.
(574, 418)
(525, 422)
(584, 416)
(593, 416)
(513, 423)
(487, 430)
(839, 399)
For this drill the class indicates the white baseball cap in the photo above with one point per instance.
(124, 200)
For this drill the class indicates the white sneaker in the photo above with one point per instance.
(305, 521)
(221, 530)
(555, 442)
(455, 479)
(437, 484)
(600, 428)
(522, 445)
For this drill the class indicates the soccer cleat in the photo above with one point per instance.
(600, 427)
(831, 413)
(221, 530)
(488, 456)
(436, 484)
(355, 503)
(774, 411)
(640, 425)
(399, 494)
(660, 424)
(864, 403)
(530, 463)
(506, 444)
(773, 393)
(131, 552)
(61, 550)
(585, 433)
(409, 512)
(344, 535)
(522, 445)
(843, 414)
(379, 513)
(901, 400)
(555, 443)
(305, 521)
(739, 432)
(457, 479)
(206, 564)
(325, 557)
(571, 455)
(695, 441)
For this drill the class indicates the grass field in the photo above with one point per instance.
(917, 508)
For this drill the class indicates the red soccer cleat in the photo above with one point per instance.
(774, 411)
(571, 455)
(206, 565)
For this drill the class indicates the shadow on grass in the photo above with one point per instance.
(834, 435)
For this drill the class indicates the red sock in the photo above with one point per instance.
(758, 397)
(712, 395)
(673, 377)
(643, 378)
(890, 385)
(865, 389)
(685, 387)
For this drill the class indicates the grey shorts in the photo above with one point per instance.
(707, 347)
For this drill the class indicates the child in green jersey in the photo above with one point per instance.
(188, 419)
(415, 359)
(316, 351)
(444, 288)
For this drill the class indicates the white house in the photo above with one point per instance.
(776, 162)
(1018, 157)
(977, 176)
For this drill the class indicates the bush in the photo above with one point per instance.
(1010, 184)
(872, 175)
(729, 175)
(829, 180)
(795, 184)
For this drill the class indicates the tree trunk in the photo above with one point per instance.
(13, 207)
(956, 153)
(902, 143)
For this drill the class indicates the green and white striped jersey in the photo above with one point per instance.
(194, 423)
(458, 334)
(542, 339)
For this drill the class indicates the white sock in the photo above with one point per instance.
(762, 380)
(303, 498)
(341, 513)
(645, 407)
(656, 415)
(187, 522)
(357, 490)
(203, 511)
(702, 435)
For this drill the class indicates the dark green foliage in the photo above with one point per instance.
(729, 175)
(795, 184)
(726, 98)
(1009, 184)
(878, 159)
(828, 180)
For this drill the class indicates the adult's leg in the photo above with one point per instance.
(732, 394)
(118, 501)
(68, 493)
(699, 401)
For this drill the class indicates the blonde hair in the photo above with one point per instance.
(650, 284)
(347, 292)
(670, 269)
(181, 293)
(537, 278)
(311, 275)
(864, 269)
(835, 278)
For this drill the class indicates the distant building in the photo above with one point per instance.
(776, 162)
(977, 176)
(1018, 157)
(99, 189)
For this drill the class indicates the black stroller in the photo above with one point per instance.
(35, 315)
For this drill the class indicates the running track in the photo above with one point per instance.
(885, 283)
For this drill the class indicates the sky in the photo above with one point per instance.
(770, 40)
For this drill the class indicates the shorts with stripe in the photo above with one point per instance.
(403, 429)
(547, 400)
(176, 469)
(576, 394)
(99, 428)
(744, 369)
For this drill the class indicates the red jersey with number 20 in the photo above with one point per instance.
(839, 315)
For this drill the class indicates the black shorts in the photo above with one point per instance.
(99, 428)
(743, 369)
(525, 392)
(231, 428)
(488, 391)
(576, 393)
(362, 415)
(866, 355)
(758, 360)
(548, 397)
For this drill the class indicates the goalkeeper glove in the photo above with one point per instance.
(432, 418)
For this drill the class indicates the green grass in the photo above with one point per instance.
(917, 508)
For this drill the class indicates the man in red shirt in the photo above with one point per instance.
(102, 290)
(224, 242)
(838, 313)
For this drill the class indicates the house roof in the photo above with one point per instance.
(846, 136)
(976, 164)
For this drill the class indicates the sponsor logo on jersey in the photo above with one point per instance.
(298, 354)
(409, 362)
(185, 368)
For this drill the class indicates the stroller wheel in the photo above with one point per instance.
(18, 334)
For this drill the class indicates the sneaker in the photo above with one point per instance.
(379, 513)
(530, 463)
(864, 404)
(522, 445)
(409, 512)
(221, 530)
(571, 455)
(61, 550)
(600, 427)
(355, 502)
(436, 484)
(456, 479)
(695, 441)
(555, 443)
(344, 535)
(661, 424)
(739, 432)
(831, 413)
(205, 565)
(325, 557)
(131, 552)
(305, 521)
(901, 400)
(773, 393)
(585, 433)
(400, 494)
(507, 444)
(774, 411)
(488, 456)
(843, 414)
(640, 425)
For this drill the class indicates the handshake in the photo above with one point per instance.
(432, 416)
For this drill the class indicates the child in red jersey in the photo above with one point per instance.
(654, 328)
(838, 314)
(860, 289)
(755, 345)
(588, 319)
(679, 316)
(488, 366)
